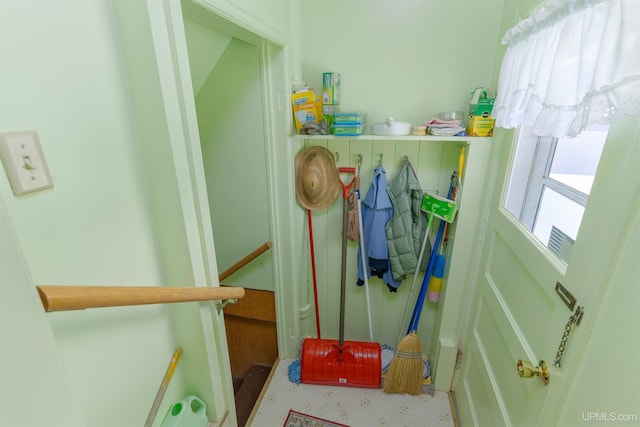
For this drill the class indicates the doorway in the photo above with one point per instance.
(226, 65)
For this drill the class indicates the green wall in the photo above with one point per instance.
(62, 75)
(408, 60)
(229, 107)
(205, 47)
(404, 59)
(21, 316)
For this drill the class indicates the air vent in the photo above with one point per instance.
(560, 244)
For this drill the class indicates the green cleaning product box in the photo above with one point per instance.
(331, 88)
(480, 105)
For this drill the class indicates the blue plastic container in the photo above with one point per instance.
(355, 118)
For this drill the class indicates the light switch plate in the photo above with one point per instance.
(24, 162)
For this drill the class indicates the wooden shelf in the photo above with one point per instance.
(465, 139)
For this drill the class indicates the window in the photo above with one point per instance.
(550, 182)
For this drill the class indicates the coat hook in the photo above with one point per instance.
(380, 162)
(337, 156)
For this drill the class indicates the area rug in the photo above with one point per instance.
(297, 419)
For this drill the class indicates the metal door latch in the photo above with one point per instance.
(566, 296)
(527, 370)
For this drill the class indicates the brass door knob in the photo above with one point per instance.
(527, 370)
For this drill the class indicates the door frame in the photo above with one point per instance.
(157, 66)
(276, 55)
(154, 55)
(275, 58)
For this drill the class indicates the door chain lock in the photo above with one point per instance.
(574, 319)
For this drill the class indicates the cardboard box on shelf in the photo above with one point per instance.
(480, 104)
(305, 108)
(319, 110)
(480, 126)
(331, 88)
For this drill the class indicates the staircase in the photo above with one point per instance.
(247, 391)
(253, 347)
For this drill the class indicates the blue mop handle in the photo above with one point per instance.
(417, 310)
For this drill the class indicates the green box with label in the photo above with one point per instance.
(330, 88)
(480, 105)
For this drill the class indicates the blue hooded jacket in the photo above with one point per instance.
(377, 210)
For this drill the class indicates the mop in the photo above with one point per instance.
(363, 256)
(455, 190)
(435, 282)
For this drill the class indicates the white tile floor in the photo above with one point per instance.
(351, 406)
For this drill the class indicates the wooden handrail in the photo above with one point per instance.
(62, 298)
(244, 261)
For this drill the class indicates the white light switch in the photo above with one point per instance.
(24, 162)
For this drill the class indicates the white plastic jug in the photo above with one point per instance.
(189, 412)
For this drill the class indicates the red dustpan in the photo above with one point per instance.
(350, 364)
(341, 363)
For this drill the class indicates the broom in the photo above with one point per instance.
(406, 369)
(405, 373)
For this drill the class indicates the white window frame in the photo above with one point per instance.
(539, 178)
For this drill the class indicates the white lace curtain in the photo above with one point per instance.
(569, 64)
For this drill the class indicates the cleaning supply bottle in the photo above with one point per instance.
(189, 412)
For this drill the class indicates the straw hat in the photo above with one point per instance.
(317, 179)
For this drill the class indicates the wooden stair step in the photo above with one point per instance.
(249, 391)
(237, 382)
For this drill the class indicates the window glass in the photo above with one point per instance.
(557, 210)
(550, 183)
(576, 159)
